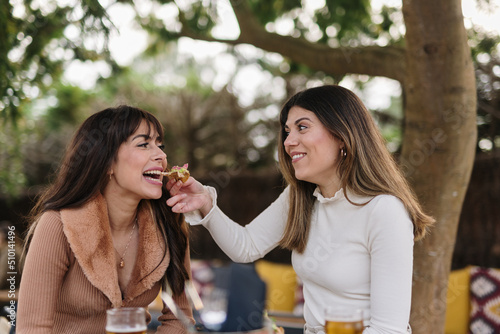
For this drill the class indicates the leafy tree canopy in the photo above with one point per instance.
(38, 38)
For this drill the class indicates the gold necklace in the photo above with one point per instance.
(122, 261)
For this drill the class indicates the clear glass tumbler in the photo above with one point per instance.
(129, 320)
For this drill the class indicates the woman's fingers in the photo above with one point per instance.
(180, 208)
(188, 196)
(174, 187)
(172, 201)
(170, 184)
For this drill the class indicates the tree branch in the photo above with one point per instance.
(370, 60)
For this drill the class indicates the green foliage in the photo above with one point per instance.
(482, 42)
(12, 178)
(68, 109)
(488, 111)
(31, 149)
(201, 16)
(159, 34)
(37, 44)
(348, 16)
(269, 11)
(9, 101)
(35, 47)
(390, 123)
(486, 55)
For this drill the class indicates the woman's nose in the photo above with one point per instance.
(160, 155)
(290, 140)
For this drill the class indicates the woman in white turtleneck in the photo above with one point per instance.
(347, 214)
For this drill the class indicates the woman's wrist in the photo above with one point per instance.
(207, 207)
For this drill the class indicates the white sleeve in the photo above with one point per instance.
(390, 242)
(245, 243)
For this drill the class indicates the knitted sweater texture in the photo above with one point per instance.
(70, 276)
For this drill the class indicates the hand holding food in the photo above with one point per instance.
(188, 195)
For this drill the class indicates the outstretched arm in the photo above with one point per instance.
(241, 243)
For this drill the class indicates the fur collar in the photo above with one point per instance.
(89, 235)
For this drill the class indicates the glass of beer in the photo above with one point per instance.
(130, 320)
(343, 321)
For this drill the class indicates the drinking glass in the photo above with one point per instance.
(129, 320)
(214, 311)
(343, 321)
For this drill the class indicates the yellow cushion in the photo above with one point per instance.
(281, 282)
(458, 302)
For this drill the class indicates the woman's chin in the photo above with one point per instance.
(302, 177)
(153, 195)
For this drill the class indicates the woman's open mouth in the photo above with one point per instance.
(153, 176)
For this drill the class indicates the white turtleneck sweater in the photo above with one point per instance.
(356, 256)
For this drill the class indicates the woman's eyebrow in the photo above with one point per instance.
(146, 137)
(299, 120)
(302, 119)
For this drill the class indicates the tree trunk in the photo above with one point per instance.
(439, 142)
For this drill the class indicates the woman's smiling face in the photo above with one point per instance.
(141, 153)
(315, 152)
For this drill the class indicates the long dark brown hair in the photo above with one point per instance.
(367, 169)
(83, 174)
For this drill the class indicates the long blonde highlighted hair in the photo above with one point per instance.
(367, 169)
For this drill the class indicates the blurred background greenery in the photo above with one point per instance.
(61, 61)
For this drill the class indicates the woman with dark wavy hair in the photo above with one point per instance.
(348, 215)
(102, 235)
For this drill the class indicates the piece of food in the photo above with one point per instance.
(178, 173)
(275, 328)
(279, 330)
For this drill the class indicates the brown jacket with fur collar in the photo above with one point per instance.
(70, 276)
